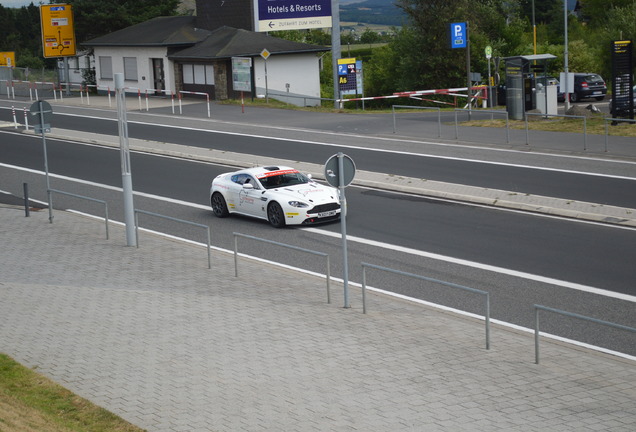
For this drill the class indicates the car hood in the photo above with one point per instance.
(312, 193)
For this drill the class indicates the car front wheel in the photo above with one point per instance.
(219, 207)
(275, 215)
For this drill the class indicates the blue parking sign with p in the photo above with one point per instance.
(458, 35)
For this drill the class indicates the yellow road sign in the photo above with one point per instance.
(7, 58)
(58, 31)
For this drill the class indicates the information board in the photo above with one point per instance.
(347, 74)
(58, 31)
(242, 74)
(273, 15)
(622, 80)
(7, 58)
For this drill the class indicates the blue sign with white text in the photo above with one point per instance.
(458, 35)
(281, 9)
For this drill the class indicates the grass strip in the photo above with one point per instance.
(30, 402)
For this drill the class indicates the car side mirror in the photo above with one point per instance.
(248, 186)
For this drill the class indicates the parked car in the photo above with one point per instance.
(278, 194)
(586, 86)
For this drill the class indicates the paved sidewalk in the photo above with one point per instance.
(156, 337)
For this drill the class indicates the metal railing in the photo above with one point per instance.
(51, 191)
(327, 273)
(439, 116)
(558, 115)
(449, 284)
(303, 97)
(537, 308)
(492, 112)
(207, 228)
(605, 120)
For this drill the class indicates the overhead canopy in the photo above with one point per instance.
(533, 57)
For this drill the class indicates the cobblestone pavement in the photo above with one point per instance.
(156, 337)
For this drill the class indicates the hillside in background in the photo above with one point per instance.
(382, 12)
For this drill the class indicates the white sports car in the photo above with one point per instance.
(280, 194)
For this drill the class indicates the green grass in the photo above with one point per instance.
(594, 126)
(30, 402)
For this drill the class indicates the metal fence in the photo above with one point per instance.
(492, 113)
(207, 228)
(538, 308)
(437, 281)
(327, 274)
(439, 116)
(558, 115)
(51, 191)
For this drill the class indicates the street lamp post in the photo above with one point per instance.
(565, 57)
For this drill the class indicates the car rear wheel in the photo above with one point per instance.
(574, 97)
(275, 215)
(219, 207)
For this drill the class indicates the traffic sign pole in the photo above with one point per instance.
(46, 162)
(339, 172)
(343, 228)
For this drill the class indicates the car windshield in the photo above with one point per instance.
(284, 179)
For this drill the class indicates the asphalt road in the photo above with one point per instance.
(476, 247)
(615, 190)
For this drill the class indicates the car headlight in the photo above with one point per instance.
(298, 204)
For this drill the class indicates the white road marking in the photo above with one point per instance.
(346, 146)
(401, 249)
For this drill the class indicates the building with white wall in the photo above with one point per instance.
(167, 55)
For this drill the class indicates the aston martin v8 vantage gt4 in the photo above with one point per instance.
(279, 194)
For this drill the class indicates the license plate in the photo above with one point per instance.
(327, 214)
(597, 92)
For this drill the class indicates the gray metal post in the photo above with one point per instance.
(468, 90)
(565, 57)
(536, 335)
(46, 163)
(26, 199)
(335, 48)
(343, 229)
(66, 76)
(126, 176)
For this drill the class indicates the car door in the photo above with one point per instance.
(249, 197)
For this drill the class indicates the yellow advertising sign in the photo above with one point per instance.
(58, 32)
(7, 58)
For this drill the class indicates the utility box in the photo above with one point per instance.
(520, 82)
(546, 98)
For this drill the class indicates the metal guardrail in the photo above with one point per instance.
(327, 273)
(439, 116)
(537, 308)
(207, 228)
(492, 112)
(605, 120)
(303, 97)
(50, 191)
(449, 284)
(558, 115)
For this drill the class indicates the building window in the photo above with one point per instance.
(188, 74)
(198, 74)
(130, 68)
(106, 67)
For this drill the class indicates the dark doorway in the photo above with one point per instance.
(158, 78)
